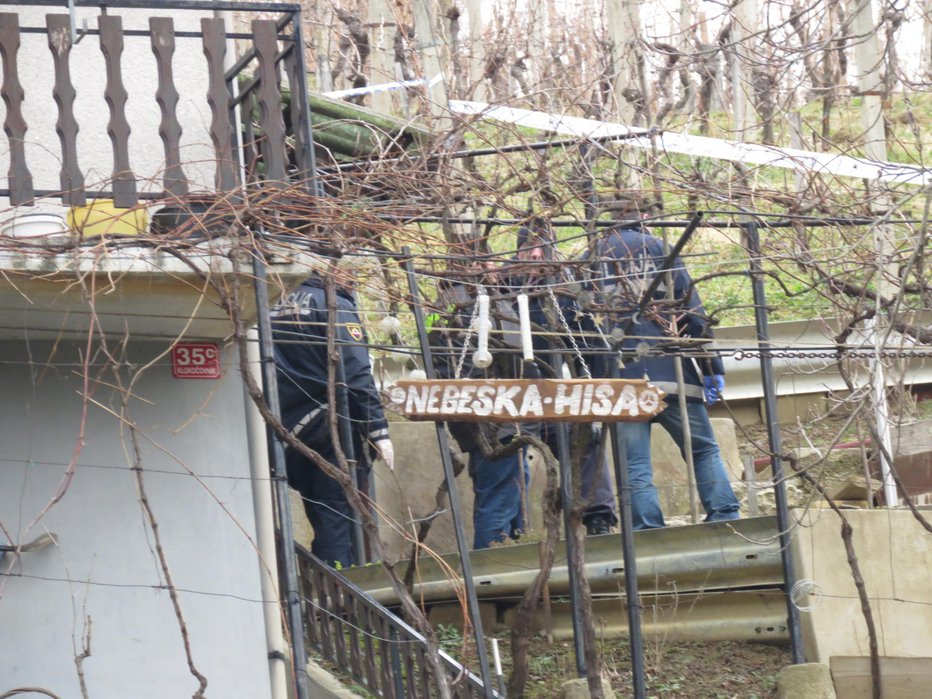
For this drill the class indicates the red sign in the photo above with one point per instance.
(195, 360)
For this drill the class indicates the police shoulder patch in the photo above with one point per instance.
(355, 331)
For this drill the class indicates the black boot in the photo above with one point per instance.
(598, 524)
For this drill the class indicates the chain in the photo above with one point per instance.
(569, 332)
(824, 354)
(469, 326)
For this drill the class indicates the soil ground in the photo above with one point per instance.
(673, 670)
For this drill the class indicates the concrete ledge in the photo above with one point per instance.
(323, 685)
(805, 681)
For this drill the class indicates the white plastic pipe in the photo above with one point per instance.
(524, 319)
(497, 657)
(481, 358)
(265, 529)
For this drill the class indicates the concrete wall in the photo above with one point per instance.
(895, 556)
(103, 575)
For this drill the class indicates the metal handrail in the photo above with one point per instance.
(381, 652)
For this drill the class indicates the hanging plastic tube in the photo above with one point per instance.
(524, 319)
(481, 358)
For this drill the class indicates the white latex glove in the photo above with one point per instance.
(386, 452)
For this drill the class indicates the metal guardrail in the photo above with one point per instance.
(702, 557)
(374, 646)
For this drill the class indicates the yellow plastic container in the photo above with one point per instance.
(101, 217)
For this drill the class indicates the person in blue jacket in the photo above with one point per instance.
(536, 244)
(624, 260)
(299, 332)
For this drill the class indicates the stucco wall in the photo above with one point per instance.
(104, 567)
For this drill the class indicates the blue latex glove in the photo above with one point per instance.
(714, 387)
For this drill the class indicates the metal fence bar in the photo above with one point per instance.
(761, 313)
(452, 490)
(378, 649)
(290, 587)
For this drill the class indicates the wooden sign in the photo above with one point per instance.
(516, 400)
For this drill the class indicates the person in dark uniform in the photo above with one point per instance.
(536, 244)
(500, 483)
(625, 259)
(299, 331)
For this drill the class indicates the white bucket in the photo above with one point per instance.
(36, 227)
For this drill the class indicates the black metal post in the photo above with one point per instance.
(566, 500)
(472, 601)
(349, 451)
(292, 593)
(752, 238)
(398, 680)
(299, 92)
(619, 451)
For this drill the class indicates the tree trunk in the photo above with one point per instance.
(623, 21)
(476, 45)
(744, 23)
(432, 62)
(926, 41)
(382, 53)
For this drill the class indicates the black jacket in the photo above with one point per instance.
(505, 346)
(299, 331)
(625, 262)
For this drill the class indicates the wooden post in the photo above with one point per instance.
(869, 60)
(162, 30)
(118, 128)
(71, 178)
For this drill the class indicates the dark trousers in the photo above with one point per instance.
(324, 500)
(596, 486)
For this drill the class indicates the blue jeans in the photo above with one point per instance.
(498, 510)
(715, 492)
